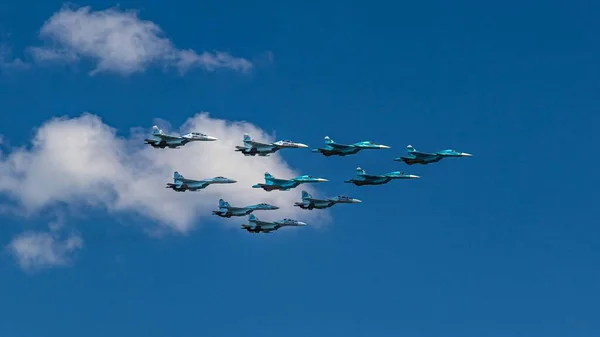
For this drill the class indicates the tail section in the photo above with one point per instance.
(306, 195)
(177, 176)
(360, 171)
(410, 148)
(252, 218)
(328, 140)
(223, 204)
(156, 130)
(268, 177)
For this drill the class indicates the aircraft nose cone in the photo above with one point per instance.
(322, 180)
(211, 138)
(412, 176)
(300, 223)
(232, 181)
(464, 154)
(384, 147)
(301, 145)
(358, 201)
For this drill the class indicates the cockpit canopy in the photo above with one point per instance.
(198, 134)
(219, 177)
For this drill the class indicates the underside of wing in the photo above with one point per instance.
(372, 176)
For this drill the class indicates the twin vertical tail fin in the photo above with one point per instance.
(223, 204)
(252, 218)
(410, 148)
(177, 176)
(306, 195)
(247, 140)
(360, 171)
(328, 140)
(268, 176)
(156, 130)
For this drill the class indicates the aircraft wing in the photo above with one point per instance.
(422, 154)
(191, 181)
(276, 181)
(372, 176)
(167, 137)
(262, 223)
(340, 146)
(259, 144)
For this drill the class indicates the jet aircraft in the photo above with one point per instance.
(424, 158)
(336, 149)
(273, 183)
(258, 226)
(253, 148)
(369, 179)
(308, 202)
(181, 184)
(227, 211)
(158, 139)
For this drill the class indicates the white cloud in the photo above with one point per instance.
(120, 42)
(7, 62)
(81, 161)
(35, 251)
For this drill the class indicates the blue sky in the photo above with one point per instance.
(501, 244)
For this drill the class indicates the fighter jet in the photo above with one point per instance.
(158, 139)
(273, 183)
(308, 202)
(253, 148)
(424, 158)
(258, 226)
(227, 211)
(335, 149)
(368, 179)
(181, 184)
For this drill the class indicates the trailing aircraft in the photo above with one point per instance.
(158, 139)
(370, 179)
(308, 202)
(182, 184)
(227, 211)
(254, 148)
(258, 226)
(336, 149)
(272, 183)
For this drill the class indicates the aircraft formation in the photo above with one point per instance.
(158, 139)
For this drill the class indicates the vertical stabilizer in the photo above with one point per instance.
(328, 140)
(360, 171)
(252, 218)
(223, 204)
(177, 176)
(410, 148)
(306, 195)
(156, 130)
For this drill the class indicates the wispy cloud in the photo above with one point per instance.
(7, 62)
(35, 251)
(118, 41)
(82, 162)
